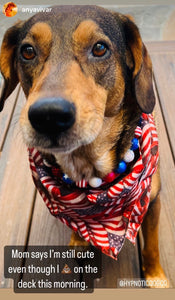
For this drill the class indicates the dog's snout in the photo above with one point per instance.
(51, 115)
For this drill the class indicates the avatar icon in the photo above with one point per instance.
(10, 9)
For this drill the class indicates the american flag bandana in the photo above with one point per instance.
(102, 217)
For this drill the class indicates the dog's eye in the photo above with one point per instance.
(28, 52)
(99, 49)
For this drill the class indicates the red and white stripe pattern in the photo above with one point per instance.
(103, 218)
(138, 132)
(82, 183)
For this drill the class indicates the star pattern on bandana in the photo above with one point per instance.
(90, 211)
(102, 198)
(41, 172)
(116, 241)
(124, 192)
(66, 217)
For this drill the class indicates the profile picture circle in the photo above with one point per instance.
(10, 9)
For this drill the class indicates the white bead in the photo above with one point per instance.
(129, 156)
(46, 163)
(95, 182)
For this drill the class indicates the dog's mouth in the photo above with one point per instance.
(65, 142)
(60, 143)
(54, 126)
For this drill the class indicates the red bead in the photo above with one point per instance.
(110, 177)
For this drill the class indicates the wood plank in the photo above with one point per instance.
(164, 72)
(161, 47)
(16, 193)
(46, 229)
(6, 115)
(167, 226)
(127, 266)
(163, 58)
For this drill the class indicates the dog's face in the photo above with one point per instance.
(81, 69)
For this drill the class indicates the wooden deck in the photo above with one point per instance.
(24, 219)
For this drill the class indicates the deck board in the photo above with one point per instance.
(165, 82)
(24, 217)
(16, 193)
(45, 229)
(167, 226)
(163, 59)
(113, 271)
(6, 116)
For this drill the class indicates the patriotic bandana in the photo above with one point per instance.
(102, 217)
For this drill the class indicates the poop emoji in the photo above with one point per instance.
(66, 270)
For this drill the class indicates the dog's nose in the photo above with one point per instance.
(51, 115)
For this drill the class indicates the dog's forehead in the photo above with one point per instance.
(64, 20)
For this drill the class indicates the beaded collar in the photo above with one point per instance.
(96, 182)
(103, 216)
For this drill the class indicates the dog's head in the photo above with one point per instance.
(79, 66)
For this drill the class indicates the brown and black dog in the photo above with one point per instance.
(94, 63)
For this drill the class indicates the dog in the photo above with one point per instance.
(87, 77)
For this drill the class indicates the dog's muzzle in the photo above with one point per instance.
(51, 116)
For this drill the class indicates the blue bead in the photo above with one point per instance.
(135, 144)
(121, 167)
(66, 179)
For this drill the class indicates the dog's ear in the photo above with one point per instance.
(138, 60)
(8, 62)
